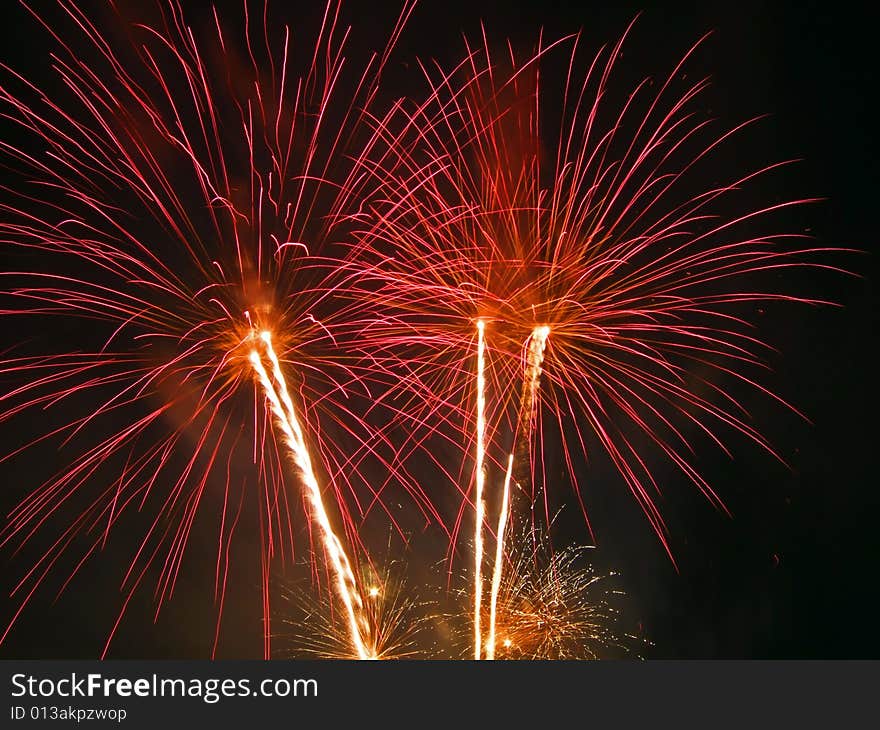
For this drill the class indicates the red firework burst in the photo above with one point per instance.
(172, 192)
(647, 278)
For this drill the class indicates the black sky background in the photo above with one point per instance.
(794, 572)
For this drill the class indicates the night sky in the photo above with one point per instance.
(793, 573)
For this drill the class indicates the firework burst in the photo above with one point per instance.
(563, 609)
(173, 187)
(600, 237)
(551, 604)
(398, 621)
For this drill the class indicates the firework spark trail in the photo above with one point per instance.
(480, 481)
(497, 568)
(521, 439)
(284, 412)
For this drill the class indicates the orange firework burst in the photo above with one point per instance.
(398, 620)
(557, 608)
(551, 604)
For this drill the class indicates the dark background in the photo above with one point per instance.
(793, 573)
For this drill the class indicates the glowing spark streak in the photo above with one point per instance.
(499, 557)
(290, 425)
(480, 479)
(530, 391)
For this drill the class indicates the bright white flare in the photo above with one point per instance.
(480, 480)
